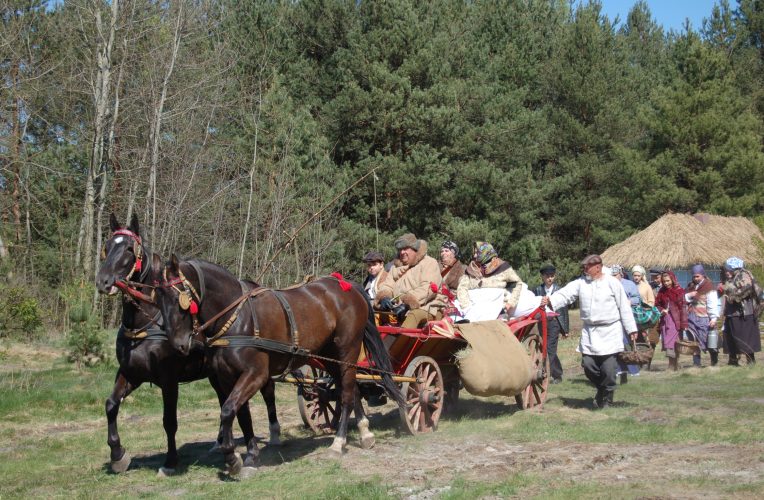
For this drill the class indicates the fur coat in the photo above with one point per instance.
(412, 283)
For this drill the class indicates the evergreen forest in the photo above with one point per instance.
(288, 138)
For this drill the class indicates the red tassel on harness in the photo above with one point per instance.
(138, 265)
(433, 287)
(193, 308)
(343, 284)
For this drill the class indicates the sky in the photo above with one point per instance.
(670, 13)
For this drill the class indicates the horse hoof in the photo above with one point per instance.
(165, 472)
(235, 468)
(121, 465)
(247, 472)
(336, 452)
(275, 442)
(368, 442)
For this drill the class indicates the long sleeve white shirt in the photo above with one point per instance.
(605, 312)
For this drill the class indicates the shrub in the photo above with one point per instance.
(20, 313)
(86, 339)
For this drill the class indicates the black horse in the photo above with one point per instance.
(144, 352)
(256, 334)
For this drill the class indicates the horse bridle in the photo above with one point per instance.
(188, 298)
(131, 287)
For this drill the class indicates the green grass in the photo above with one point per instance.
(53, 440)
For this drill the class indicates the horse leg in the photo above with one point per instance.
(367, 438)
(269, 396)
(120, 460)
(348, 392)
(170, 424)
(247, 385)
(244, 418)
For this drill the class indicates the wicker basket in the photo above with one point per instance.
(640, 354)
(687, 347)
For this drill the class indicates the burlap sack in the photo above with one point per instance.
(495, 363)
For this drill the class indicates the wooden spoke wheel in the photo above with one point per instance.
(535, 394)
(424, 398)
(318, 402)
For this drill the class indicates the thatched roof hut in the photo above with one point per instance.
(680, 240)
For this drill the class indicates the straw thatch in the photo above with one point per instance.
(681, 240)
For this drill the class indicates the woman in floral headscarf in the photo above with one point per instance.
(742, 305)
(671, 303)
(487, 270)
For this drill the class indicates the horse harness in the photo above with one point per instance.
(218, 340)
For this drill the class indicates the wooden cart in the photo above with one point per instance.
(424, 365)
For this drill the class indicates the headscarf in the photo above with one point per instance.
(733, 263)
(674, 294)
(639, 269)
(616, 269)
(484, 252)
(451, 246)
(698, 269)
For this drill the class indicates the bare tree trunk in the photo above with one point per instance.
(252, 171)
(16, 159)
(101, 102)
(156, 127)
(105, 173)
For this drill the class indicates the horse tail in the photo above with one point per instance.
(372, 341)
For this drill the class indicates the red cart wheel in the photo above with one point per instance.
(424, 398)
(317, 402)
(535, 394)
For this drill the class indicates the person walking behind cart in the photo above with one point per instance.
(375, 262)
(651, 335)
(555, 326)
(632, 292)
(670, 302)
(742, 305)
(606, 314)
(701, 312)
(406, 288)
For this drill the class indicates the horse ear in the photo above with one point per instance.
(156, 266)
(113, 222)
(134, 227)
(174, 264)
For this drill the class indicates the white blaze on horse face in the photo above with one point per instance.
(119, 239)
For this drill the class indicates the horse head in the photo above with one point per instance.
(122, 256)
(179, 301)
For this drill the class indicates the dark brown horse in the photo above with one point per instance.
(143, 350)
(256, 335)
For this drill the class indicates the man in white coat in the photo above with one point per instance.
(606, 315)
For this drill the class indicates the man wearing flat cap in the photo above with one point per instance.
(606, 314)
(555, 327)
(375, 262)
(408, 283)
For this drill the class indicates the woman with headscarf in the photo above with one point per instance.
(702, 305)
(671, 304)
(489, 274)
(647, 295)
(451, 270)
(646, 292)
(742, 304)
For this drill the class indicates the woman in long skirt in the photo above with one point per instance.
(742, 304)
(702, 311)
(671, 303)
